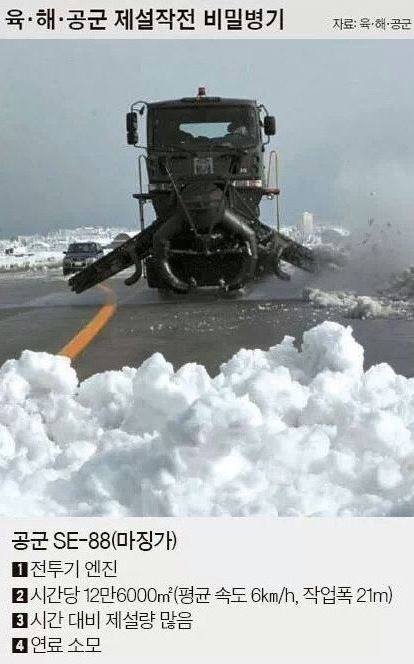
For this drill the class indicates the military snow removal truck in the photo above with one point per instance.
(206, 177)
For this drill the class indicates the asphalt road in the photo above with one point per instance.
(40, 313)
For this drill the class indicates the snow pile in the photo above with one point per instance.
(282, 432)
(351, 305)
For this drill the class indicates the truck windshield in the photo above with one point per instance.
(201, 125)
(82, 248)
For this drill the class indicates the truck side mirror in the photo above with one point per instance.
(132, 128)
(269, 125)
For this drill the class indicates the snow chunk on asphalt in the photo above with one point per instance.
(352, 306)
(288, 431)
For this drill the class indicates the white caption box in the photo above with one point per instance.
(361, 611)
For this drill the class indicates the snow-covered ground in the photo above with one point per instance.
(44, 252)
(284, 432)
(322, 234)
(400, 286)
(27, 261)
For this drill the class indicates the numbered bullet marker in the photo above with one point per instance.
(19, 569)
(20, 595)
(19, 646)
(19, 620)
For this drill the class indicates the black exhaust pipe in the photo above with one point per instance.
(236, 225)
(161, 244)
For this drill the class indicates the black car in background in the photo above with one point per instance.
(80, 255)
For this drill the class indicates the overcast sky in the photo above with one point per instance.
(344, 110)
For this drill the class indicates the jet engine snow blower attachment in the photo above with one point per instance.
(206, 178)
